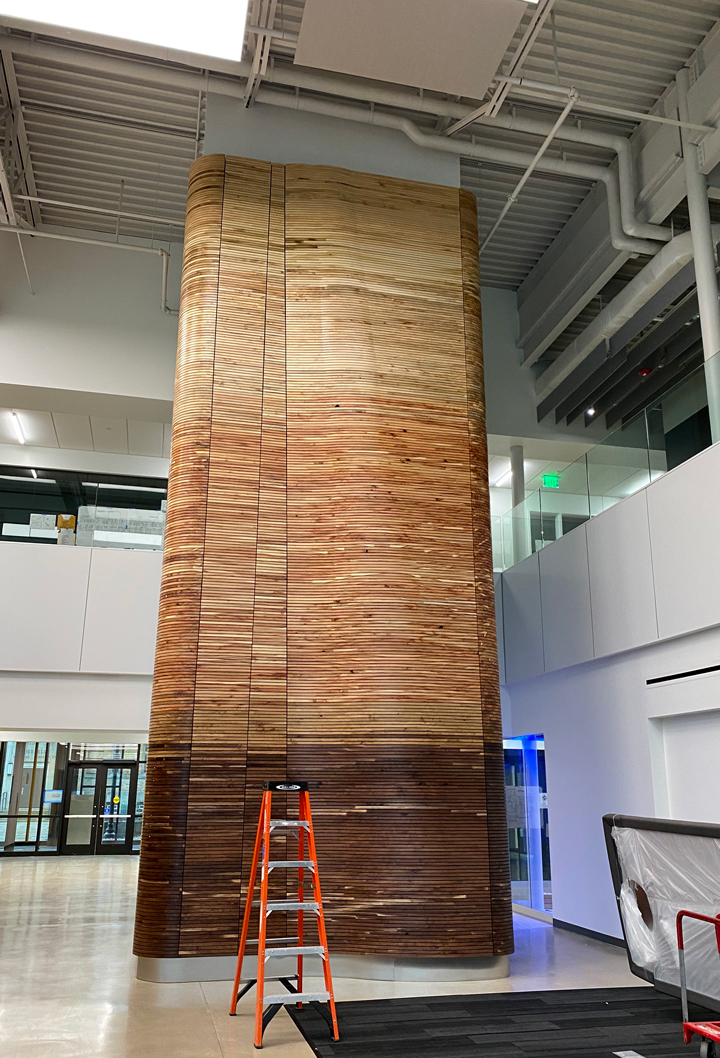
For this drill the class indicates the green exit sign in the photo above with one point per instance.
(551, 481)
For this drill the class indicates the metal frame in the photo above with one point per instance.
(94, 847)
(666, 826)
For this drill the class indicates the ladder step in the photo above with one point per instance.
(296, 997)
(272, 940)
(290, 823)
(292, 905)
(316, 949)
(292, 863)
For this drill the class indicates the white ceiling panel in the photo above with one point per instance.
(73, 431)
(145, 438)
(38, 428)
(109, 435)
(454, 47)
(8, 434)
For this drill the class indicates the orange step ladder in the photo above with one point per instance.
(267, 1006)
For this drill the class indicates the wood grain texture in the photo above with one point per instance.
(332, 604)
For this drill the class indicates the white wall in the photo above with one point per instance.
(274, 134)
(98, 708)
(77, 637)
(605, 752)
(629, 597)
(94, 322)
(509, 387)
(651, 562)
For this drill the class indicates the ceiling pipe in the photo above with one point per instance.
(37, 233)
(667, 263)
(350, 88)
(482, 151)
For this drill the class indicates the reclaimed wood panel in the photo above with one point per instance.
(384, 686)
(157, 923)
(338, 621)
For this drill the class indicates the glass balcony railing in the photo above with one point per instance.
(664, 435)
(82, 510)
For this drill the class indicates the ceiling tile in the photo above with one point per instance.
(37, 428)
(167, 434)
(8, 435)
(109, 435)
(145, 438)
(73, 431)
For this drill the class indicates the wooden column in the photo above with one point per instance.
(327, 605)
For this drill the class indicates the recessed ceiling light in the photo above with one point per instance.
(216, 28)
(590, 412)
(17, 427)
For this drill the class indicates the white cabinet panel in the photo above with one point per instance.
(692, 748)
(43, 589)
(684, 509)
(499, 625)
(622, 592)
(122, 611)
(565, 595)
(522, 621)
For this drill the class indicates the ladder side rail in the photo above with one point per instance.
(306, 813)
(301, 897)
(246, 916)
(265, 872)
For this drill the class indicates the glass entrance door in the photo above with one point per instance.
(99, 808)
(115, 815)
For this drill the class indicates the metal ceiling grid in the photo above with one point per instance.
(97, 142)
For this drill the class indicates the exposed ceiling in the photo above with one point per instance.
(114, 133)
(112, 142)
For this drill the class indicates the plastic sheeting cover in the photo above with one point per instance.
(661, 874)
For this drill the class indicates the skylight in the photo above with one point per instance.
(215, 27)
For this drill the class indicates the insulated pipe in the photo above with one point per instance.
(350, 88)
(484, 152)
(37, 234)
(666, 264)
(704, 252)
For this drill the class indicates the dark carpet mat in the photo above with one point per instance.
(593, 1023)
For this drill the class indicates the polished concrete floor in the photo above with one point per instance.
(68, 990)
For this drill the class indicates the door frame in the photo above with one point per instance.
(95, 847)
